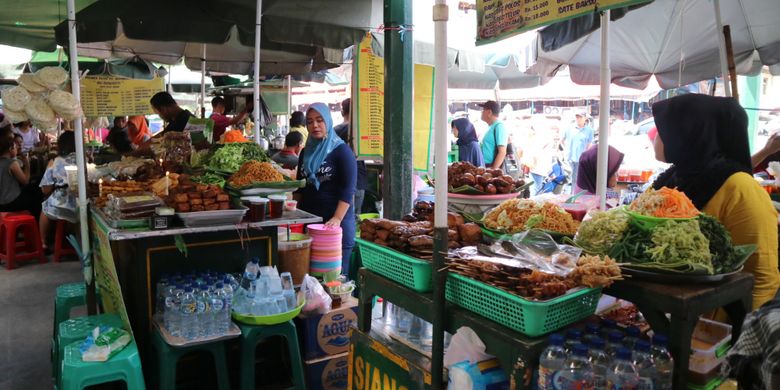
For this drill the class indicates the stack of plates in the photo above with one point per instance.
(325, 250)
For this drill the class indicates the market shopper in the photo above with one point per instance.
(166, 107)
(468, 142)
(14, 176)
(222, 121)
(138, 131)
(343, 132)
(705, 138)
(330, 170)
(61, 203)
(496, 139)
(770, 152)
(118, 138)
(587, 171)
(288, 156)
(298, 123)
(575, 141)
(31, 137)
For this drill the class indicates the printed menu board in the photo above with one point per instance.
(116, 96)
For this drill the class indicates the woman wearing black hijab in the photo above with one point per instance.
(468, 143)
(705, 138)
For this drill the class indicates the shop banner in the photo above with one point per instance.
(106, 276)
(374, 364)
(117, 96)
(499, 19)
(370, 108)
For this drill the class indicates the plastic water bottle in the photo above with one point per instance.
(592, 331)
(600, 362)
(573, 337)
(632, 336)
(622, 374)
(170, 307)
(217, 310)
(288, 291)
(608, 325)
(644, 365)
(227, 309)
(577, 373)
(203, 312)
(614, 342)
(664, 364)
(160, 290)
(250, 276)
(551, 361)
(188, 314)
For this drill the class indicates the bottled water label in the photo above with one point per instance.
(188, 308)
(625, 386)
(645, 384)
(545, 378)
(565, 380)
(201, 306)
(217, 305)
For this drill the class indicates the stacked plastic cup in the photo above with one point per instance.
(325, 250)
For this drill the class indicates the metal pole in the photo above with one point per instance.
(203, 83)
(80, 157)
(441, 147)
(606, 80)
(724, 65)
(258, 32)
(289, 98)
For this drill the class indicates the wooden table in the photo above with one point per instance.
(685, 303)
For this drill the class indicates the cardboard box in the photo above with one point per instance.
(327, 334)
(379, 362)
(328, 373)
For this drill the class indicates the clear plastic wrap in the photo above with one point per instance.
(317, 300)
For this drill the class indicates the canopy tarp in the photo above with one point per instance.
(132, 68)
(676, 41)
(30, 23)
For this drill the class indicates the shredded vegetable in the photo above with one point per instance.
(234, 136)
(598, 234)
(664, 203)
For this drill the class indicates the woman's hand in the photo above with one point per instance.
(333, 222)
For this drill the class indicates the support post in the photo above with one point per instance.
(203, 83)
(724, 66)
(78, 129)
(732, 66)
(399, 72)
(441, 147)
(256, 77)
(604, 108)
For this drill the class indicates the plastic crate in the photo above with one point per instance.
(530, 318)
(396, 266)
(710, 342)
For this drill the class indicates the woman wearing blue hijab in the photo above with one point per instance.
(468, 143)
(330, 170)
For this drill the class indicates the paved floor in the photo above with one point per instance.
(26, 315)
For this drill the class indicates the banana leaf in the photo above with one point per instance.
(287, 183)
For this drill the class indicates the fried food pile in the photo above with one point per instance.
(489, 181)
(255, 172)
(592, 271)
(516, 215)
(189, 197)
(416, 238)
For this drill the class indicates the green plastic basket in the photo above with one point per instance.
(273, 319)
(396, 266)
(527, 317)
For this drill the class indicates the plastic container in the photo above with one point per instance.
(709, 345)
(325, 250)
(291, 205)
(258, 208)
(276, 205)
(530, 318)
(396, 266)
(295, 256)
(273, 319)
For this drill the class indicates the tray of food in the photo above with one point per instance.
(229, 158)
(691, 247)
(203, 205)
(518, 215)
(466, 179)
(256, 178)
(132, 206)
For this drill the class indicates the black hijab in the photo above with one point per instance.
(466, 132)
(705, 138)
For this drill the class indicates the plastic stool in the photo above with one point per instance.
(67, 297)
(32, 240)
(124, 366)
(251, 335)
(168, 356)
(76, 330)
(61, 246)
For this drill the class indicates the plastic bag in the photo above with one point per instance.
(478, 376)
(317, 300)
(541, 249)
(465, 346)
(103, 343)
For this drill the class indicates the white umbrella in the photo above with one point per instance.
(675, 40)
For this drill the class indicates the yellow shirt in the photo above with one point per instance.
(746, 211)
(303, 131)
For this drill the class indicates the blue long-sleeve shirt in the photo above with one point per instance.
(472, 153)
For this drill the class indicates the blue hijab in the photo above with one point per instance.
(466, 132)
(318, 149)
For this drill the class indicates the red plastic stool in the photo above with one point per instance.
(61, 246)
(32, 240)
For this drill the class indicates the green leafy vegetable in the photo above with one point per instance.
(725, 258)
(209, 178)
(230, 157)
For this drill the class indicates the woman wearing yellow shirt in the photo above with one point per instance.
(705, 138)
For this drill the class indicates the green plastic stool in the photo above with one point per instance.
(251, 335)
(168, 356)
(124, 366)
(67, 297)
(76, 330)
